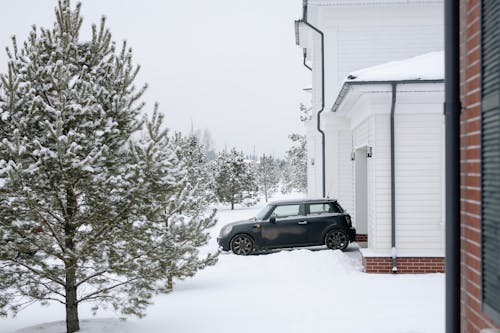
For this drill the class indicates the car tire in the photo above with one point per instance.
(242, 245)
(337, 239)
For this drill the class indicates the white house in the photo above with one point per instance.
(399, 213)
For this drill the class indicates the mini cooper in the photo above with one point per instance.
(293, 223)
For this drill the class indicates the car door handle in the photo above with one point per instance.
(302, 222)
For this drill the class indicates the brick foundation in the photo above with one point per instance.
(404, 264)
(361, 238)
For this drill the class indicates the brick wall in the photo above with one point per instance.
(405, 264)
(361, 237)
(473, 320)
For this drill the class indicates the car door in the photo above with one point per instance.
(320, 217)
(289, 229)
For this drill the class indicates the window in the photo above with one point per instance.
(286, 211)
(323, 208)
(490, 158)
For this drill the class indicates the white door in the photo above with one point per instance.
(361, 195)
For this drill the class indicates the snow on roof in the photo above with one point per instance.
(368, 2)
(425, 68)
(429, 66)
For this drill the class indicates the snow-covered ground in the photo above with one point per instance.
(285, 291)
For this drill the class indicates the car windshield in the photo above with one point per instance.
(263, 212)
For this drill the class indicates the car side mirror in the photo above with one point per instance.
(272, 219)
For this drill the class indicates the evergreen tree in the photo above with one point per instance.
(234, 179)
(174, 176)
(86, 214)
(268, 175)
(295, 176)
(199, 170)
(305, 112)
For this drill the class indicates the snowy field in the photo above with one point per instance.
(307, 290)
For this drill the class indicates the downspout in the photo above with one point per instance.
(305, 57)
(452, 153)
(393, 183)
(318, 118)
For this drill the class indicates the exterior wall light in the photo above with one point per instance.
(369, 152)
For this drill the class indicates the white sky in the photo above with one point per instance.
(230, 66)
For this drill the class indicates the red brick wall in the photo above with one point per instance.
(361, 238)
(473, 320)
(405, 264)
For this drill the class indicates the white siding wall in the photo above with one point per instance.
(381, 223)
(419, 178)
(356, 38)
(419, 172)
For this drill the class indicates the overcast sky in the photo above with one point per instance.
(230, 66)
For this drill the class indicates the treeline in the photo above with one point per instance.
(234, 178)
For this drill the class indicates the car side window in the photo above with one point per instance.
(323, 208)
(286, 211)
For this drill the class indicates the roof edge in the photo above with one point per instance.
(347, 85)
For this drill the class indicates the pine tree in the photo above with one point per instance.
(181, 202)
(199, 170)
(235, 179)
(86, 213)
(295, 176)
(268, 175)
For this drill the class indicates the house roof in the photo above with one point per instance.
(427, 68)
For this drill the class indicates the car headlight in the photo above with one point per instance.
(225, 230)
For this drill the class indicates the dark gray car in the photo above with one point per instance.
(292, 223)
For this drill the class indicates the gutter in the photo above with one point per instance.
(348, 84)
(452, 109)
(343, 92)
(318, 118)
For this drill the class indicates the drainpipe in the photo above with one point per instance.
(305, 57)
(452, 139)
(318, 118)
(393, 183)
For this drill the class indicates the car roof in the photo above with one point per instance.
(299, 201)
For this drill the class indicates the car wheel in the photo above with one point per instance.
(336, 240)
(242, 245)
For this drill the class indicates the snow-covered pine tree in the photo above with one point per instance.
(199, 170)
(85, 213)
(181, 227)
(305, 112)
(295, 176)
(235, 180)
(268, 175)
